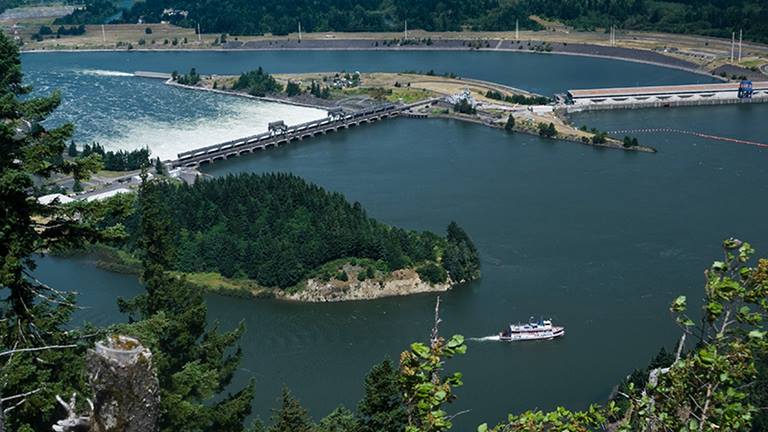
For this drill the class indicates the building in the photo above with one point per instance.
(54, 198)
(694, 94)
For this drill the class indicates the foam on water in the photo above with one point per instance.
(103, 73)
(126, 114)
(486, 339)
(238, 119)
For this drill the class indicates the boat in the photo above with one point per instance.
(533, 330)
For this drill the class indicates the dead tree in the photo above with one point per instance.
(126, 393)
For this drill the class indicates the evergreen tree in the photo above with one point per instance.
(292, 89)
(42, 353)
(291, 417)
(160, 168)
(339, 420)
(381, 409)
(72, 149)
(510, 125)
(194, 364)
(461, 259)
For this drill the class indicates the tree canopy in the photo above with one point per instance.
(277, 228)
(706, 17)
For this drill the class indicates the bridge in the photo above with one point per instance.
(279, 133)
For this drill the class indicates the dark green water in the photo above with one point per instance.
(600, 240)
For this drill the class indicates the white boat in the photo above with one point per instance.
(541, 330)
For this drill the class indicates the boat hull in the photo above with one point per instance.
(532, 336)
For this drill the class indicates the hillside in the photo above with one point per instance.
(707, 17)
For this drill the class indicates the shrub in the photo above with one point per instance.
(432, 273)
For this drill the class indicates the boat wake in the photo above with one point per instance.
(486, 339)
(103, 73)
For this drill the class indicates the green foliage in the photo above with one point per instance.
(382, 409)
(120, 160)
(463, 106)
(716, 385)
(517, 98)
(292, 89)
(706, 389)
(630, 142)
(599, 138)
(257, 83)
(322, 92)
(342, 276)
(423, 384)
(277, 229)
(460, 259)
(339, 420)
(291, 417)
(432, 273)
(194, 363)
(190, 79)
(547, 130)
(36, 316)
(509, 126)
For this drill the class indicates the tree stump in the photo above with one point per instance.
(125, 386)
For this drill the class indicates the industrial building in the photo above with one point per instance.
(672, 95)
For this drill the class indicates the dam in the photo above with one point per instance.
(666, 96)
(279, 133)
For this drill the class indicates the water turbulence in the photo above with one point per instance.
(102, 72)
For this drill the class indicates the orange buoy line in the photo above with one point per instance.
(687, 132)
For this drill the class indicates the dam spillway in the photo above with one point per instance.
(279, 133)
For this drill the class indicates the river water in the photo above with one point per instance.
(599, 240)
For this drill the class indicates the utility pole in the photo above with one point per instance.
(517, 30)
(199, 36)
(103, 34)
(299, 31)
(733, 44)
(740, 38)
(406, 29)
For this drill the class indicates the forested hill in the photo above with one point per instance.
(706, 17)
(276, 229)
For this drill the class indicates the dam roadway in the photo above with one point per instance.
(279, 133)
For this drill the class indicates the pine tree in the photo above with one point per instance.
(194, 364)
(510, 125)
(160, 167)
(72, 149)
(35, 316)
(339, 420)
(381, 409)
(291, 417)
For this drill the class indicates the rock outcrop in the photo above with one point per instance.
(397, 283)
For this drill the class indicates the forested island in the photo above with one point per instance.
(275, 234)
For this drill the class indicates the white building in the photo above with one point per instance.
(49, 199)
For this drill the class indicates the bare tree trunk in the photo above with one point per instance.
(125, 386)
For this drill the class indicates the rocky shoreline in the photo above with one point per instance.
(398, 283)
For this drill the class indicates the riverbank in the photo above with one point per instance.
(698, 54)
(337, 281)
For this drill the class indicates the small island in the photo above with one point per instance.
(277, 236)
